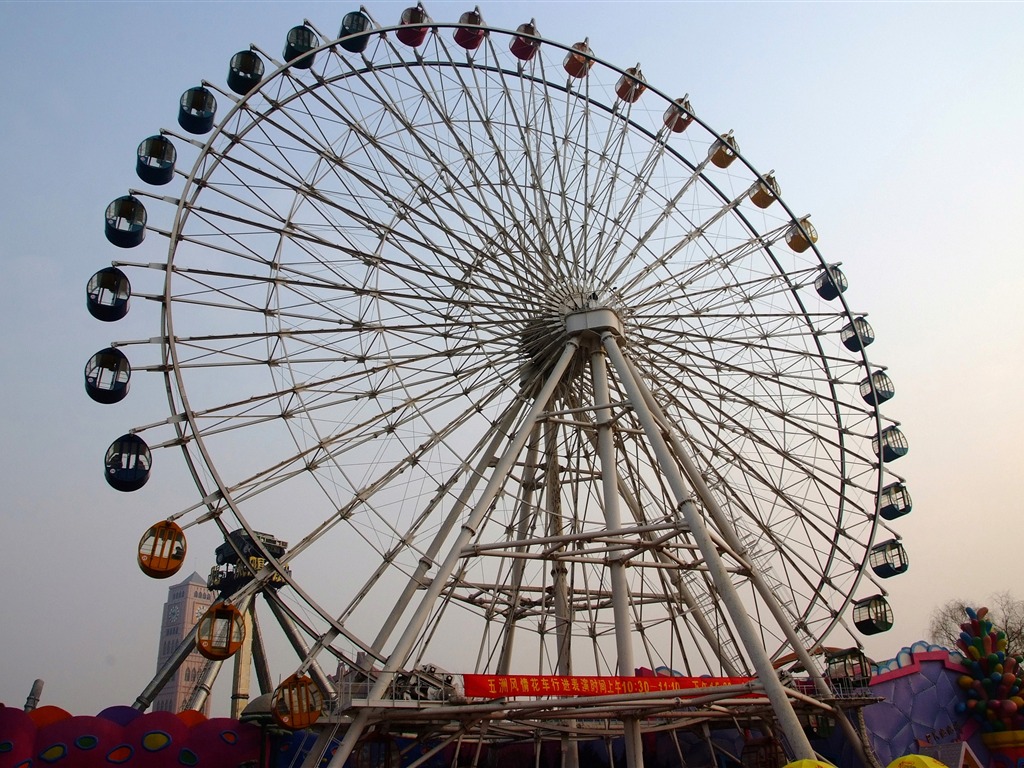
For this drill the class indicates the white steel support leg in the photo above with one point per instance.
(773, 687)
(166, 672)
(264, 680)
(519, 563)
(400, 655)
(201, 690)
(616, 566)
(563, 610)
(419, 576)
(762, 587)
(299, 645)
(242, 667)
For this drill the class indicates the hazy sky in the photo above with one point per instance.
(894, 124)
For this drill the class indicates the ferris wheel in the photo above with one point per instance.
(486, 356)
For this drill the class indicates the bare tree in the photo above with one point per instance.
(944, 623)
(1005, 612)
(1009, 616)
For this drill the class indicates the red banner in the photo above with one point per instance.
(511, 686)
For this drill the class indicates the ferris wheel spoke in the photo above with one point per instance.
(606, 173)
(616, 223)
(555, 169)
(781, 455)
(461, 132)
(753, 349)
(530, 113)
(801, 564)
(815, 529)
(345, 445)
(462, 253)
(441, 166)
(661, 217)
(754, 470)
(362, 216)
(702, 270)
(515, 175)
(223, 349)
(756, 485)
(806, 398)
(788, 374)
(574, 152)
(249, 185)
(675, 246)
(380, 190)
(307, 239)
(258, 483)
(739, 293)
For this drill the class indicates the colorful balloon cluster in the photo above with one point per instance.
(996, 681)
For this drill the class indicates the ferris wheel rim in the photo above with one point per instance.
(185, 205)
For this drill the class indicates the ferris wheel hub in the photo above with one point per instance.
(543, 338)
(591, 324)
